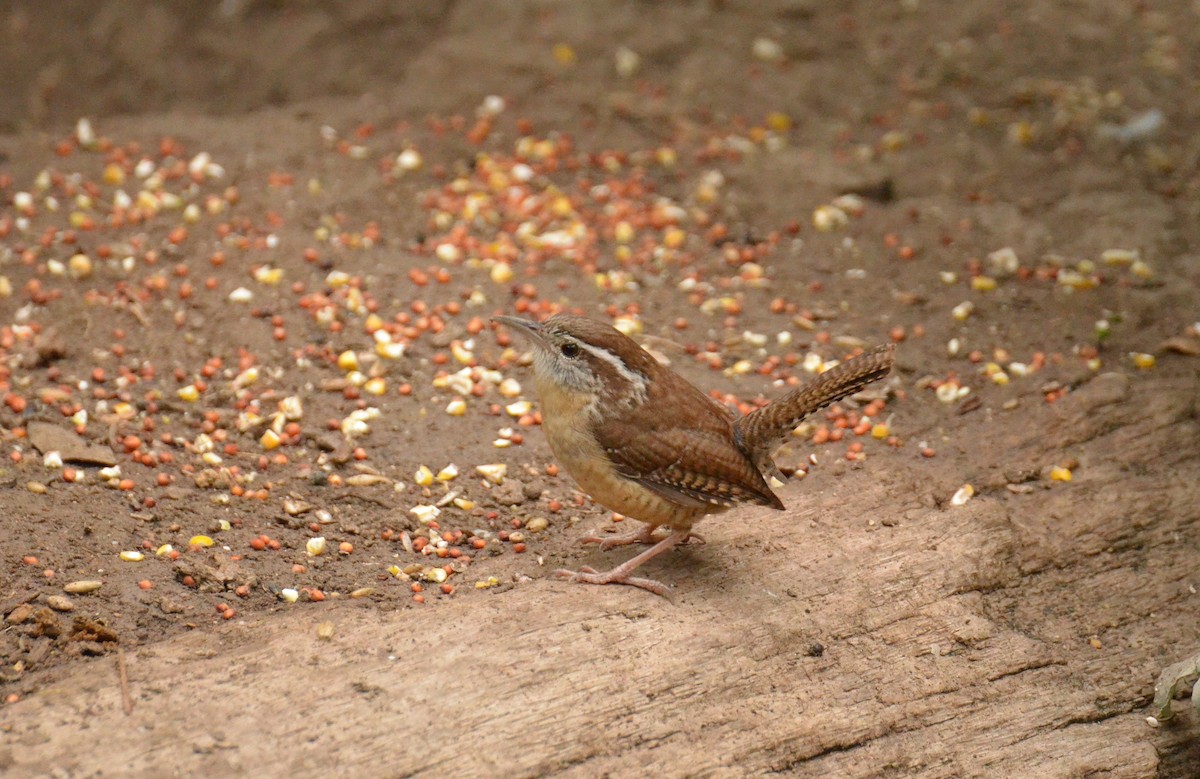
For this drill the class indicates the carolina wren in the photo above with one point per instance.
(644, 442)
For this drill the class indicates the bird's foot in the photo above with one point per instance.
(621, 574)
(587, 575)
(643, 536)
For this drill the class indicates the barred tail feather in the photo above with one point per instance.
(760, 432)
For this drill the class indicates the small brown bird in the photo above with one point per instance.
(644, 442)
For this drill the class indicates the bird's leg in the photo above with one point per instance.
(643, 536)
(620, 574)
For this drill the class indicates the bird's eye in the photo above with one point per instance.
(570, 349)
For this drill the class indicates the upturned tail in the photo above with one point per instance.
(761, 432)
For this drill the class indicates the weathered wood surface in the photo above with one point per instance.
(1018, 635)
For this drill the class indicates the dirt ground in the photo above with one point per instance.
(244, 306)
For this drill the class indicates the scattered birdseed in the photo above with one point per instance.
(60, 603)
(1143, 361)
(424, 513)
(1059, 473)
(82, 587)
(962, 495)
(494, 473)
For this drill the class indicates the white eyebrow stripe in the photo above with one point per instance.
(637, 380)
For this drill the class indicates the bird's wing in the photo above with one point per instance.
(695, 466)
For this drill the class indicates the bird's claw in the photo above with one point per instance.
(587, 575)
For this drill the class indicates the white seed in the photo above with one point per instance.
(52, 460)
(389, 350)
(829, 218)
(246, 378)
(291, 408)
(766, 50)
(626, 61)
(628, 325)
(84, 133)
(492, 105)
(435, 574)
(456, 407)
(1003, 262)
(132, 556)
(494, 473)
(315, 546)
(409, 159)
(962, 495)
(199, 164)
(289, 595)
(425, 513)
(518, 409)
(461, 353)
(367, 480)
(947, 393)
(461, 382)
(241, 295)
(60, 603)
(449, 473)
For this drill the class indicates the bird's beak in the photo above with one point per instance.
(526, 327)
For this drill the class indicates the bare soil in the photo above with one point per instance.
(877, 627)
